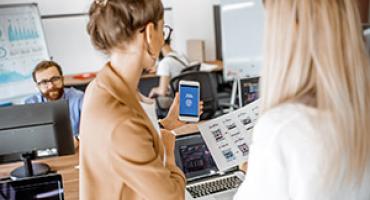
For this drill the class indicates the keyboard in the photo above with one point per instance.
(214, 186)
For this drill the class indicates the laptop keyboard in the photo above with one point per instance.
(214, 186)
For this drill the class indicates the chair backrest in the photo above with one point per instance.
(147, 83)
(208, 90)
(192, 68)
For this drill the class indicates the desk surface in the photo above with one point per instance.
(64, 165)
(71, 80)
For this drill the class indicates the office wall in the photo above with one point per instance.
(193, 19)
(55, 7)
(64, 23)
(68, 43)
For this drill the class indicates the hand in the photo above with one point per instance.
(145, 99)
(153, 93)
(76, 143)
(151, 70)
(172, 119)
(243, 167)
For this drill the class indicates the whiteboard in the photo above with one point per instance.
(22, 46)
(69, 45)
(242, 23)
(55, 7)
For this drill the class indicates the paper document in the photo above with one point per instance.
(228, 137)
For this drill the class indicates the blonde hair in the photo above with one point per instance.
(315, 48)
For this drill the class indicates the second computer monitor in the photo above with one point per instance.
(35, 128)
(249, 89)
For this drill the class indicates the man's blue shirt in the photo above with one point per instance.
(75, 99)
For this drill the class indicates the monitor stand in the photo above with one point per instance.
(29, 169)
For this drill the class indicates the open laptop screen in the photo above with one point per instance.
(193, 157)
(49, 187)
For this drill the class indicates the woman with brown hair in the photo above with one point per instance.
(121, 154)
(312, 141)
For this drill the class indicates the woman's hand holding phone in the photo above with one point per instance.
(172, 120)
(189, 101)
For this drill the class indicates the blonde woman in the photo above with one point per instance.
(312, 141)
(121, 154)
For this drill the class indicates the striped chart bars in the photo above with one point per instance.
(21, 33)
(22, 46)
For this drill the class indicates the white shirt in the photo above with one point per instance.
(151, 113)
(171, 67)
(287, 159)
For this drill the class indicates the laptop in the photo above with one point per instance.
(204, 180)
(48, 187)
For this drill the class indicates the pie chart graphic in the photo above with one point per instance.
(3, 52)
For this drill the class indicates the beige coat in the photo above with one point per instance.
(121, 155)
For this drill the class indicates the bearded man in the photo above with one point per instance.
(48, 77)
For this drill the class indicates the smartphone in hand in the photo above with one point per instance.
(189, 101)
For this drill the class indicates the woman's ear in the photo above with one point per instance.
(149, 28)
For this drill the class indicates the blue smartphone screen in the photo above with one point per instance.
(189, 100)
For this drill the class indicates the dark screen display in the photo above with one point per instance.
(189, 100)
(250, 91)
(196, 160)
(38, 188)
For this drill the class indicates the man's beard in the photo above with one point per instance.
(53, 94)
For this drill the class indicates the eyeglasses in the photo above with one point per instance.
(167, 31)
(55, 80)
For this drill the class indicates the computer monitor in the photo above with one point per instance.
(26, 131)
(49, 187)
(242, 40)
(249, 90)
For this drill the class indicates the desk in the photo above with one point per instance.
(220, 65)
(147, 82)
(69, 80)
(78, 83)
(64, 165)
(186, 129)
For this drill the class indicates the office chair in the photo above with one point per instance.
(163, 103)
(192, 68)
(147, 83)
(208, 92)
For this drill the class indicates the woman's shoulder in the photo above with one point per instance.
(289, 120)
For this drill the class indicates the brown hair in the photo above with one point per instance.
(46, 64)
(116, 21)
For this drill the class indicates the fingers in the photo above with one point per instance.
(177, 97)
(151, 94)
(201, 107)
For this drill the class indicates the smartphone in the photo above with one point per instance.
(189, 101)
